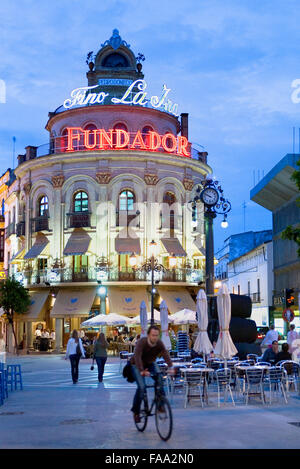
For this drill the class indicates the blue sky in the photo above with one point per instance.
(230, 66)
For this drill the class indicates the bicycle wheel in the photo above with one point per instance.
(163, 418)
(143, 416)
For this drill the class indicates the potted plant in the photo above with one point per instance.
(89, 60)
(140, 58)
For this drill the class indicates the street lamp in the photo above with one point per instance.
(152, 265)
(210, 193)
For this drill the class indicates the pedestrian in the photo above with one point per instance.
(74, 352)
(271, 335)
(100, 354)
(291, 336)
(284, 354)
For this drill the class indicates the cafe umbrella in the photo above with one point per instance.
(184, 316)
(164, 319)
(224, 347)
(143, 319)
(137, 320)
(202, 343)
(111, 319)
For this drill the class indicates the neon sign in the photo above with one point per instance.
(82, 97)
(119, 139)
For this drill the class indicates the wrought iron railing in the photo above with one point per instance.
(94, 274)
(78, 219)
(10, 229)
(40, 223)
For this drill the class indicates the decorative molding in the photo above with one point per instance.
(27, 188)
(151, 179)
(103, 177)
(58, 180)
(188, 184)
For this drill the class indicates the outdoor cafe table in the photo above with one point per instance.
(205, 371)
(181, 364)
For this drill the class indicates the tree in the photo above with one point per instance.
(293, 234)
(15, 300)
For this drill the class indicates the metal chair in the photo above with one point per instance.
(247, 362)
(197, 360)
(263, 364)
(292, 371)
(14, 376)
(193, 385)
(176, 381)
(223, 380)
(163, 368)
(252, 356)
(254, 381)
(275, 379)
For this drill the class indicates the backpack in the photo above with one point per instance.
(127, 373)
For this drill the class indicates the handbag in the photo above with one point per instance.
(92, 365)
(127, 373)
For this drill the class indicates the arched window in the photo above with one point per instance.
(81, 202)
(43, 206)
(125, 211)
(121, 126)
(145, 134)
(115, 60)
(91, 135)
(168, 215)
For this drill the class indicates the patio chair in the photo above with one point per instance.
(275, 379)
(223, 380)
(252, 356)
(176, 381)
(250, 362)
(163, 368)
(263, 364)
(254, 384)
(197, 360)
(124, 356)
(193, 386)
(292, 371)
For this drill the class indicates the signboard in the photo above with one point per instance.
(288, 315)
(119, 139)
(114, 82)
(83, 96)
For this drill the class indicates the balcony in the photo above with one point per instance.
(10, 229)
(255, 297)
(40, 224)
(79, 219)
(107, 274)
(20, 229)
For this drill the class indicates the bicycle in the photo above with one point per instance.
(163, 413)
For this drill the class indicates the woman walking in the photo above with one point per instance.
(74, 352)
(100, 354)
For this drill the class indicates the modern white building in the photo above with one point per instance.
(246, 266)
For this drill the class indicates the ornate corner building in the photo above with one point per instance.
(118, 172)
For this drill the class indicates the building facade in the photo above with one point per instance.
(278, 193)
(117, 174)
(245, 264)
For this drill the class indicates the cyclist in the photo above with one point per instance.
(143, 364)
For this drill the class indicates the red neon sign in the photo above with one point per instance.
(119, 139)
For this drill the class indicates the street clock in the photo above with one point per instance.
(209, 196)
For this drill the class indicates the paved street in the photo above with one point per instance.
(52, 412)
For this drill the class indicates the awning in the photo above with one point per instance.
(78, 243)
(198, 244)
(18, 257)
(125, 245)
(173, 246)
(177, 298)
(37, 307)
(127, 300)
(75, 302)
(41, 241)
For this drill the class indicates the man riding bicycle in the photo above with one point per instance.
(143, 364)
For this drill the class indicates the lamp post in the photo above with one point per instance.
(151, 265)
(210, 193)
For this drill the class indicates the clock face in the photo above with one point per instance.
(210, 196)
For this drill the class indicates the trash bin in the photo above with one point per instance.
(44, 344)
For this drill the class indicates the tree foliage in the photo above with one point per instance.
(293, 233)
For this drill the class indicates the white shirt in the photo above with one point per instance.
(45, 334)
(291, 336)
(38, 333)
(71, 347)
(52, 335)
(271, 335)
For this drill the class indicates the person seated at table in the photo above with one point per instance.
(134, 341)
(45, 333)
(37, 333)
(284, 354)
(270, 354)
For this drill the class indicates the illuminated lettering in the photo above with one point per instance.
(118, 139)
(164, 140)
(138, 140)
(72, 136)
(119, 133)
(86, 139)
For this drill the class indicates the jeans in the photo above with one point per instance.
(100, 364)
(74, 360)
(140, 381)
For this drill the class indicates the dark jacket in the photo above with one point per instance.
(283, 356)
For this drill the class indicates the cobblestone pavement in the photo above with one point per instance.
(51, 412)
